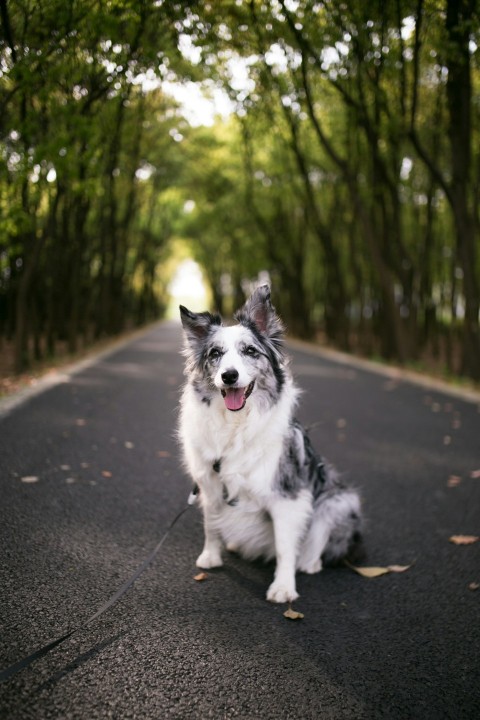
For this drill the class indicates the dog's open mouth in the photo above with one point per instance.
(235, 398)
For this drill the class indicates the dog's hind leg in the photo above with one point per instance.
(335, 530)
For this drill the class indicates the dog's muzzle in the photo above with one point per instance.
(235, 398)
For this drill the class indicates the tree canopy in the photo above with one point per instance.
(348, 168)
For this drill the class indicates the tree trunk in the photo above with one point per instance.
(459, 21)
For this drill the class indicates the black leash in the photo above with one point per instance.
(25, 662)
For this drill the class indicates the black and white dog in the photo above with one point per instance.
(263, 490)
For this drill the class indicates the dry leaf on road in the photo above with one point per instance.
(398, 568)
(201, 577)
(373, 572)
(475, 474)
(106, 473)
(464, 539)
(292, 614)
(370, 572)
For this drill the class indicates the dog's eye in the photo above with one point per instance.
(214, 354)
(251, 351)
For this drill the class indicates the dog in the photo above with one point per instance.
(263, 490)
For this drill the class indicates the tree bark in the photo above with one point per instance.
(459, 20)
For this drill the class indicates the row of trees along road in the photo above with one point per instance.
(349, 167)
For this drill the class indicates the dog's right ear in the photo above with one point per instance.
(259, 311)
(197, 325)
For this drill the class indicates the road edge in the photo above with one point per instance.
(392, 372)
(54, 377)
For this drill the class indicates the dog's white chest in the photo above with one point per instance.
(242, 455)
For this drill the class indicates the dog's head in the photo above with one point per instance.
(239, 361)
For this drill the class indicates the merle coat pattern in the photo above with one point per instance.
(263, 490)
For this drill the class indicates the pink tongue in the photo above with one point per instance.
(234, 398)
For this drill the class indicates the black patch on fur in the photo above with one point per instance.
(197, 328)
(355, 555)
(301, 467)
(356, 552)
(287, 483)
(259, 316)
(203, 391)
(271, 349)
(217, 465)
(232, 502)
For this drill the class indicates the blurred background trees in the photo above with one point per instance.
(346, 168)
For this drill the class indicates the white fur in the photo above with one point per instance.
(244, 508)
(232, 337)
(250, 443)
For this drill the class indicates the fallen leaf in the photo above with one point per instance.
(106, 473)
(454, 480)
(84, 465)
(447, 440)
(464, 539)
(398, 568)
(201, 577)
(29, 479)
(474, 586)
(80, 422)
(475, 474)
(292, 614)
(373, 572)
(163, 453)
(64, 467)
(129, 445)
(370, 572)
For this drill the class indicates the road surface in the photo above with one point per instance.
(90, 480)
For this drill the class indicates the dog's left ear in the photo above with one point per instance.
(197, 325)
(259, 310)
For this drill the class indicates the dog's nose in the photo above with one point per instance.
(229, 377)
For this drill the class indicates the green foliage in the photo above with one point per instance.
(348, 170)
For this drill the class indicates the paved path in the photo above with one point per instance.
(102, 450)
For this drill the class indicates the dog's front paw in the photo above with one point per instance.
(280, 592)
(209, 559)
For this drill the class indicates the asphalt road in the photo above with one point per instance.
(90, 479)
